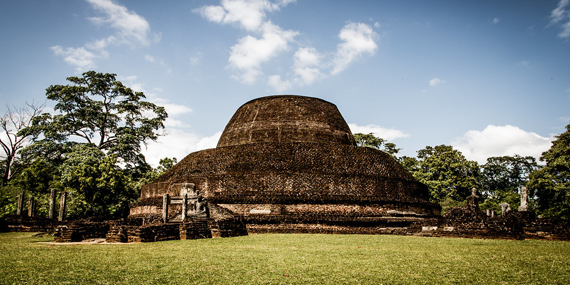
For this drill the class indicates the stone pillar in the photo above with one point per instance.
(51, 204)
(524, 200)
(62, 206)
(20, 203)
(184, 206)
(473, 200)
(165, 202)
(505, 208)
(31, 207)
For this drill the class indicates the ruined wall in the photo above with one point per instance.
(293, 159)
(293, 173)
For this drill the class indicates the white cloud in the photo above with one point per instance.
(250, 14)
(561, 16)
(171, 108)
(377, 25)
(379, 131)
(559, 13)
(277, 84)
(177, 143)
(565, 31)
(149, 58)
(307, 65)
(250, 52)
(501, 141)
(358, 38)
(496, 20)
(131, 29)
(435, 82)
(267, 40)
(78, 57)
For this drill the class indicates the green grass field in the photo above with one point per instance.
(286, 259)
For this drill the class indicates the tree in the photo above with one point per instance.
(551, 184)
(370, 140)
(99, 110)
(101, 186)
(447, 173)
(91, 146)
(502, 178)
(13, 121)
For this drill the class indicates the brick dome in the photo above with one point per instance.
(292, 160)
(284, 119)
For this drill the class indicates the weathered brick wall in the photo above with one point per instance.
(280, 119)
(195, 229)
(81, 230)
(296, 156)
(292, 173)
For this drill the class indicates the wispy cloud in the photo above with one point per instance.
(277, 84)
(358, 39)
(496, 20)
(500, 141)
(130, 29)
(78, 57)
(172, 109)
(524, 63)
(307, 65)
(250, 52)
(177, 143)
(149, 58)
(561, 16)
(195, 60)
(249, 14)
(435, 82)
(268, 40)
(379, 131)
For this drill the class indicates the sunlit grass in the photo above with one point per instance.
(286, 259)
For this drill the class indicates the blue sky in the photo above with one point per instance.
(488, 77)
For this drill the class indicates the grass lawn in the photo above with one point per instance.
(286, 259)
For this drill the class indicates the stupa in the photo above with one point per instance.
(289, 164)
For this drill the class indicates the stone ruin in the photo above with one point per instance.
(290, 164)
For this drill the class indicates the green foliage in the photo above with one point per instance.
(370, 140)
(98, 181)
(502, 179)
(551, 184)
(446, 172)
(101, 111)
(287, 259)
(8, 200)
(90, 148)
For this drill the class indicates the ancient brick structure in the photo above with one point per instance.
(287, 162)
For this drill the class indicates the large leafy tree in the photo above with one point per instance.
(502, 178)
(551, 184)
(99, 110)
(91, 145)
(447, 173)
